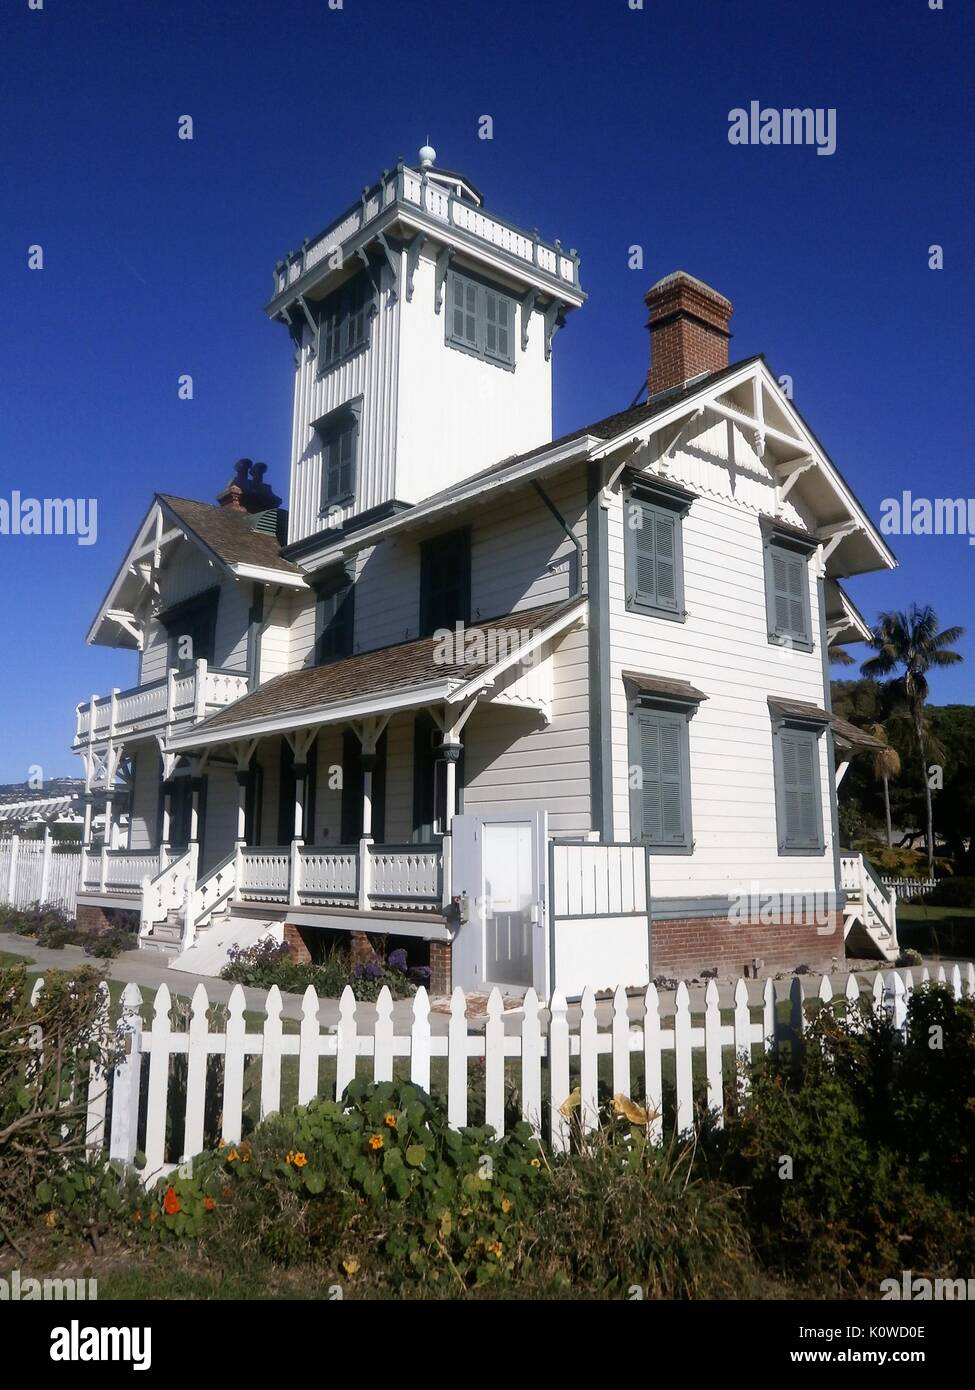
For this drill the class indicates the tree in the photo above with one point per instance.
(910, 643)
(886, 764)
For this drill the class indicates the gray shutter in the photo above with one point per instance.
(799, 751)
(663, 796)
(497, 326)
(645, 556)
(464, 310)
(665, 546)
(789, 576)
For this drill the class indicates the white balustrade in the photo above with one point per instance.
(329, 875)
(405, 876)
(265, 874)
(126, 870)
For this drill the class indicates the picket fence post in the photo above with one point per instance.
(128, 1078)
(12, 871)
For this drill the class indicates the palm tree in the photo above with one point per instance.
(886, 764)
(911, 643)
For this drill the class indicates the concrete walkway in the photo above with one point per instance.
(148, 970)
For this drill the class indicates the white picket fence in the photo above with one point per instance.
(39, 871)
(638, 1029)
(909, 887)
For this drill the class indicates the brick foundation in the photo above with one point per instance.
(92, 918)
(683, 947)
(295, 942)
(440, 969)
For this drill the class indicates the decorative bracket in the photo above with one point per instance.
(443, 260)
(412, 261)
(527, 305)
(552, 326)
(392, 260)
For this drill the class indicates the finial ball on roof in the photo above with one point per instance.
(427, 156)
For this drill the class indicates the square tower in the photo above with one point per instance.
(423, 329)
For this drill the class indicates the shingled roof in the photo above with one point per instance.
(228, 533)
(406, 666)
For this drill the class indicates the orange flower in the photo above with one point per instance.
(506, 1205)
(376, 1141)
(300, 1160)
(137, 1215)
(171, 1203)
(51, 1219)
(208, 1204)
(391, 1121)
(226, 1192)
(153, 1217)
(495, 1248)
(233, 1156)
(245, 1151)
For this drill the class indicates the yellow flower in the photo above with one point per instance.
(391, 1121)
(222, 1144)
(495, 1248)
(376, 1141)
(505, 1205)
(350, 1265)
(536, 1163)
(300, 1160)
(51, 1219)
(290, 1156)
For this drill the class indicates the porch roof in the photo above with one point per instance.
(409, 675)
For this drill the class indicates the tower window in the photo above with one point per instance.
(344, 322)
(339, 434)
(480, 320)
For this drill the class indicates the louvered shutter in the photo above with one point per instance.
(663, 791)
(643, 531)
(463, 294)
(800, 794)
(497, 326)
(787, 594)
(665, 546)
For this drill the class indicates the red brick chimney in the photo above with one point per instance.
(688, 330)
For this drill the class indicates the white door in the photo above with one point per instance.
(499, 862)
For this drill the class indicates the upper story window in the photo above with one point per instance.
(191, 629)
(339, 435)
(480, 320)
(344, 321)
(653, 545)
(334, 618)
(445, 581)
(787, 587)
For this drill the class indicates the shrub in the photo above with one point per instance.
(106, 945)
(856, 1154)
(952, 892)
(267, 963)
(46, 1050)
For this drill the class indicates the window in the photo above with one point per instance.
(787, 589)
(191, 629)
(480, 320)
(798, 800)
(334, 618)
(344, 321)
(653, 551)
(660, 785)
(445, 582)
(339, 435)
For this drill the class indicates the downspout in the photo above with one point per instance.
(575, 572)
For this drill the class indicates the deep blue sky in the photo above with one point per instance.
(610, 129)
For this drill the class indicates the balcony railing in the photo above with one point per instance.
(409, 189)
(181, 697)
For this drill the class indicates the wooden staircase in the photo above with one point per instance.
(870, 911)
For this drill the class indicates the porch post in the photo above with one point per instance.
(450, 752)
(368, 768)
(243, 786)
(301, 791)
(167, 823)
(196, 786)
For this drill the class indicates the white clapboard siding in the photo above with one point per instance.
(722, 648)
(551, 1061)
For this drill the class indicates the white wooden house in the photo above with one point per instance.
(550, 711)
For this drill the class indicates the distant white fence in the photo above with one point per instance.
(39, 871)
(637, 1029)
(909, 887)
